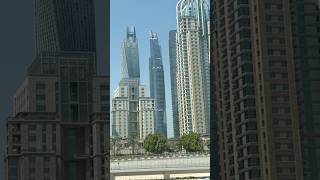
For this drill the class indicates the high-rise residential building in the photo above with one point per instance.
(157, 86)
(193, 74)
(59, 129)
(306, 43)
(131, 98)
(173, 78)
(256, 95)
(121, 113)
(130, 55)
(147, 110)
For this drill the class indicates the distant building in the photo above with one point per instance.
(157, 85)
(146, 121)
(130, 55)
(193, 78)
(132, 108)
(173, 78)
(121, 113)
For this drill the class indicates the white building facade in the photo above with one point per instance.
(121, 113)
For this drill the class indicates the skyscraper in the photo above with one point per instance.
(306, 34)
(130, 106)
(59, 129)
(62, 25)
(173, 78)
(130, 55)
(157, 86)
(193, 78)
(257, 107)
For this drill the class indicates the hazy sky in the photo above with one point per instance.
(145, 15)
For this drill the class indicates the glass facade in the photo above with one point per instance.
(157, 86)
(130, 55)
(62, 25)
(173, 77)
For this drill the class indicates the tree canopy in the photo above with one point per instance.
(155, 143)
(192, 142)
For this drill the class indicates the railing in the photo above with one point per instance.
(153, 156)
(162, 162)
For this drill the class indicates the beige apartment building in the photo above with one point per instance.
(121, 113)
(193, 82)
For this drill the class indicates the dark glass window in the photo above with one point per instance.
(40, 108)
(40, 86)
(74, 91)
(40, 97)
(74, 112)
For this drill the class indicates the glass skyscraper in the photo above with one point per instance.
(65, 25)
(193, 81)
(130, 55)
(157, 86)
(173, 77)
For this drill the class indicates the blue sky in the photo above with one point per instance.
(145, 15)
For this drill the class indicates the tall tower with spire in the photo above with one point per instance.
(157, 86)
(130, 55)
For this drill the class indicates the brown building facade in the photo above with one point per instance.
(257, 108)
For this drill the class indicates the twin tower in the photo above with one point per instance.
(135, 114)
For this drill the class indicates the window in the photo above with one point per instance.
(267, 6)
(254, 174)
(268, 17)
(40, 108)
(46, 170)
(46, 158)
(43, 138)
(269, 29)
(32, 127)
(32, 149)
(32, 170)
(251, 138)
(32, 138)
(74, 112)
(32, 160)
(74, 91)
(40, 97)
(40, 85)
(253, 161)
